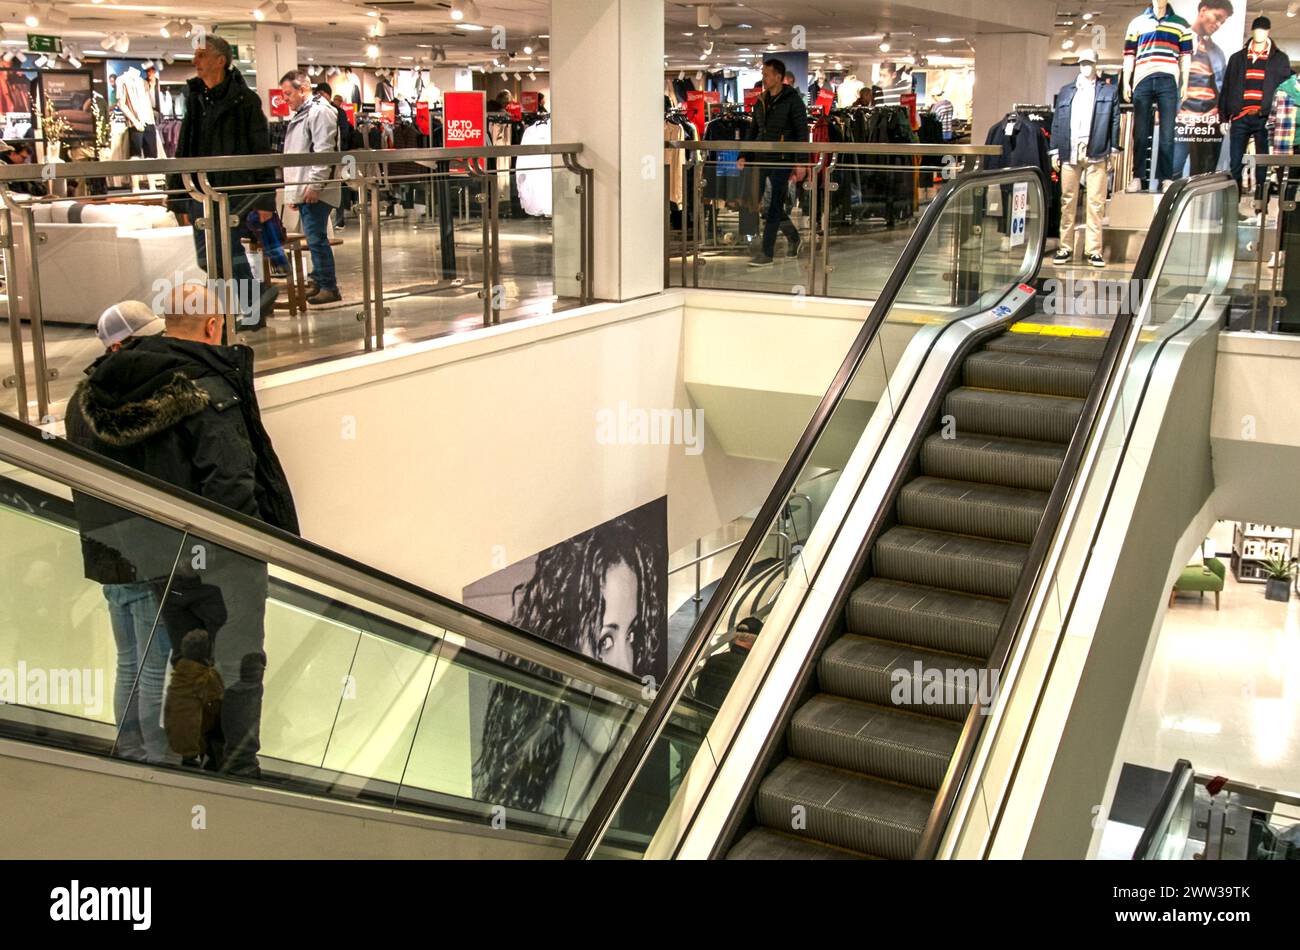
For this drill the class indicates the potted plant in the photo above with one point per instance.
(1277, 585)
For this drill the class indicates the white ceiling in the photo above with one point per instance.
(334, 31)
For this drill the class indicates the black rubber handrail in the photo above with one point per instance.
(1125, 325)
(675, 683)
(1182, 775)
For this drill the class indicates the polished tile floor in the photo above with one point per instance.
(419, 302)
(1223, 690)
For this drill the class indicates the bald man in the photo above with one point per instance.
(181, 407)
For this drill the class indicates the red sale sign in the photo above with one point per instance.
(422, 117)
(751, 96)
(908, 101)
(825, 99)
(695, 109)
(350, 110)
(464, 118)
(388, 111)
(515, 111)
(529, 100)
(279, 104)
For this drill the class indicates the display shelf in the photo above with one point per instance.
(1253, 544)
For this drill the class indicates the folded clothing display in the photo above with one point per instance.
(125, 215)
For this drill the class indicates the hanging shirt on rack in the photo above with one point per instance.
(534, 172)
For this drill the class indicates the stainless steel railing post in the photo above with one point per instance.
(18, 381)
(379, 309)
(34, 312)
(367, 314)
(829, 186)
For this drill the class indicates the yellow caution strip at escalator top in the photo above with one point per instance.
(1056, 329)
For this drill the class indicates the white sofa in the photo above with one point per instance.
(93, 255)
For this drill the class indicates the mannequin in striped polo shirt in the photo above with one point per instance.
(1252, 77)
(1157, 64)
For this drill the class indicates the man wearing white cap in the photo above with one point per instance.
(1085, 130)
(124, 320)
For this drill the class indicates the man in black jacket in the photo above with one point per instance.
(181, 407)
(224, 117)
(779, 116)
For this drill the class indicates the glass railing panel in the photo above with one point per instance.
(257, 671)
(79, 618)
(427, 219)
(521, 746)
(295, 252)
(538, 237)
(872, 204)
(975, 226)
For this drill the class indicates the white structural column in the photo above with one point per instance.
(607, 93)
(1009, 68)
(275, 52)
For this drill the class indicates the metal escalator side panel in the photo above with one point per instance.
(768, 691)
(991, 767)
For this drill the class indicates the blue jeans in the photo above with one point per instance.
(249, 291)
(1239, 133)
(315, 217)
(1158, 93)
(777, 220)
(143, 648)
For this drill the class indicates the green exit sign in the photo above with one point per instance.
(39, 43)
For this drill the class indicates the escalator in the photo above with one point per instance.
(857, 723)
(867, 767)
(377, 695)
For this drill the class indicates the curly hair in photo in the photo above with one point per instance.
(524, 733)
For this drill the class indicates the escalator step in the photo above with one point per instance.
(990, 511)
(925, 617)
(952, 561)
(1015, 463)
(1029, 373)
(764, 844)
(886, 743)
(1013, 415)
(896, 675)
(1087, 348)
(843, 809)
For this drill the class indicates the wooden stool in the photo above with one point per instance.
(295, 245)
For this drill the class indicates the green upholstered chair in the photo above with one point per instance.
(1201, 579)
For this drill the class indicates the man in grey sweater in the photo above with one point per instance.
(314, 190)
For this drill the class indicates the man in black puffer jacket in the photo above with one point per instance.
(181, 407)
(780, 115)
(224, 117)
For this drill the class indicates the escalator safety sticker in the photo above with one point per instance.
(1019, 205)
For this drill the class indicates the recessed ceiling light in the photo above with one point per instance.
(472, 27)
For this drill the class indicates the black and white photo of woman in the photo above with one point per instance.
(602, 594)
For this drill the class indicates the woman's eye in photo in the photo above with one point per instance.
(604, 644)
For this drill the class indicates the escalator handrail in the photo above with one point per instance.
(670, 693)
(27, 447)
(1154, 247)
(1182, 775)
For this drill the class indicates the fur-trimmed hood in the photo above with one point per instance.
(151, 385)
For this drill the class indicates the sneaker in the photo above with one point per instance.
(1095, 260)
(795, 244)
(323, 297)
(278, 270)
(309, 288)
(760, 260)
(1063, 256)
(1134, 186)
